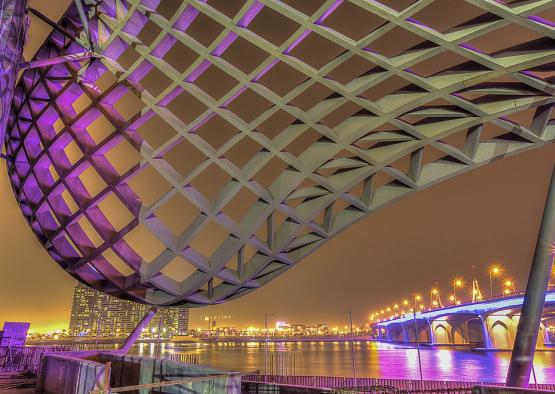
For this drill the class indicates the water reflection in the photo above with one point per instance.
(372, 359)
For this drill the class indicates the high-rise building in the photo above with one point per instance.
(96, 314)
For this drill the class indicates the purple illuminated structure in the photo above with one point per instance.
(13, 22)
(214, 144)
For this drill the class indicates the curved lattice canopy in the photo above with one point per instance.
(214, 144)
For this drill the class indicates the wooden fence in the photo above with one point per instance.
(424, 386)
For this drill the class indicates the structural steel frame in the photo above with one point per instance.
(13, 24)
(335, 162)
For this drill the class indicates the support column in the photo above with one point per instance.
(432, 336)
(485, 332)
(136, 333)
(387, 334)
(13, 22)
(534, 299)
(405, 334)
(546, 334)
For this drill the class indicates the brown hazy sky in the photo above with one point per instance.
(489, 214)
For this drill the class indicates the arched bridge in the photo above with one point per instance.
(489, 324)
(202, 148)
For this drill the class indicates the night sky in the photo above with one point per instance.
(490, 214)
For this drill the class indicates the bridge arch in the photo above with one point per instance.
(442, 334)
(457, 329)
(396, 332)
(423, 331)
(501, 337)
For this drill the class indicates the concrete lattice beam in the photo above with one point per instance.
(211, 147)
(13, 23)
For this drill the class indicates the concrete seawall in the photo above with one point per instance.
(83, 372)
(62, 373)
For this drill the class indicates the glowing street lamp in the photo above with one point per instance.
(509, 285)
(434, 296)
(452, 298)
(494, 271)
(458, 283)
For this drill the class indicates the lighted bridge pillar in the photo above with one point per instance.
(13, 21)
(405, 333)
(532, 307)
(432, 334)
(387, 334)
(485, 332)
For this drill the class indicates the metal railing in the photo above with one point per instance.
(25, 359)
(178, 382)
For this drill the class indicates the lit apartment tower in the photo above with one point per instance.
(83, 310)
(94, 313)
(175, 321)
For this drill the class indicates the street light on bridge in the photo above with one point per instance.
(435, 299)
(509, 286)
(494, 271)
(458, 283)
(417, 299)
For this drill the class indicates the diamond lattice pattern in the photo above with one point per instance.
(214, 144)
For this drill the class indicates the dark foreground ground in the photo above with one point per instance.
(16, 383)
